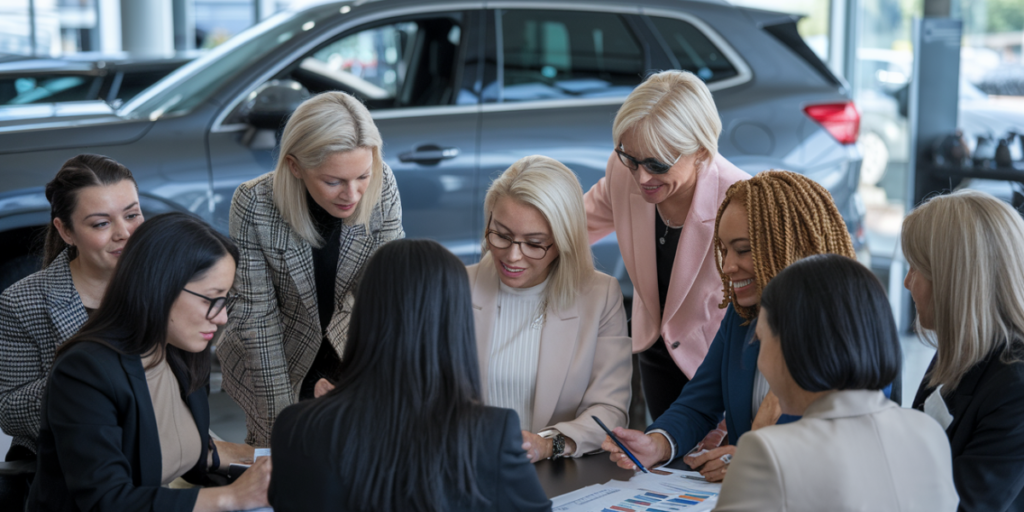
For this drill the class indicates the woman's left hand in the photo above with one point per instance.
(711, 465)
(234, 453)
(537, 448)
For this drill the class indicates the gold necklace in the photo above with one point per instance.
(661, 239)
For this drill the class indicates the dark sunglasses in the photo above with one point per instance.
(217, 304)
(652, 165)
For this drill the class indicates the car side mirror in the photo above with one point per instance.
(270, 105)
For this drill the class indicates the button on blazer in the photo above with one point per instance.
(273, 331)
(852, 451)
(615, 203)
(584, 366)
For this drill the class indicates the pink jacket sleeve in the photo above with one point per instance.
(598, 202)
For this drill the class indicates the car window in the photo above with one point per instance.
(405, 63)
(134, 82)
(46, 89)
(693, 51)
(193, 83)
(567, 54)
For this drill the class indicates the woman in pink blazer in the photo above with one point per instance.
(660, 195)
(550, 330)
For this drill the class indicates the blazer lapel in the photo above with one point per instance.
(355, 249)
(742, 395)
(150, 462)
(642, 244)
(298, 260)
(960, 399)
(558, 341)
(697, 230)
(67, 314)
(484, 289)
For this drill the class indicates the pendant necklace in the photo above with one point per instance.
(661, 240)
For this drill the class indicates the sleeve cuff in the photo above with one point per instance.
(552, 432)
(671, 443)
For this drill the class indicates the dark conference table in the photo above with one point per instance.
(561, 476)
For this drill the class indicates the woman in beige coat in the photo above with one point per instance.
(551, 330)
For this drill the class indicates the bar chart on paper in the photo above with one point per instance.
(674, 492)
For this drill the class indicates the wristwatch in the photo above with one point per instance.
(557, 446)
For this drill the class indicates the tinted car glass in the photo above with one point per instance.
(134, 82)
(567, 54)
(195, 82)
(693, 51)
(46, 89)
(411, 62)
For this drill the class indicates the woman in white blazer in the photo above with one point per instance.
(828, 347)
(550, 329)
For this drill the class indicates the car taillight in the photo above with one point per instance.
(840, 119)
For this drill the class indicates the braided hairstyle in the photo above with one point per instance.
(789, 217)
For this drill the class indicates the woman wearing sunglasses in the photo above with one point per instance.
(550, 329)
(125, 411)
(660, 195)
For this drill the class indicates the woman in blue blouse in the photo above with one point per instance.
(763, 225)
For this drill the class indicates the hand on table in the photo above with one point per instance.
(710, 463)
(537, 448)
(322, 387)
(649, 449)
(250, 490)
(233, 453)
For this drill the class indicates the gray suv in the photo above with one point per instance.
(460, 89)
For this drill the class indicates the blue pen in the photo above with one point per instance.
(622, 446)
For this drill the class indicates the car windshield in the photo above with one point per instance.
(192, 84)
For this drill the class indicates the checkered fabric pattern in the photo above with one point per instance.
(273, 330)
(36, 315)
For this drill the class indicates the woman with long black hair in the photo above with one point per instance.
(125, 411)
(405, 428)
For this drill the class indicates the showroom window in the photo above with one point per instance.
(567, 54)
(693, 51)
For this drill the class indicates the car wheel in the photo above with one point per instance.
(18, 268)
(876, 158)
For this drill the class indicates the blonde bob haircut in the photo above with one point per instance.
(328, 123)
(550, 187)
(968, 244)
(672, 114)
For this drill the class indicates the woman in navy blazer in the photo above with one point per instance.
(105, 442)
(763, 225)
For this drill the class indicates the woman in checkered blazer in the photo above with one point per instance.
(94, 208)
(305, 231)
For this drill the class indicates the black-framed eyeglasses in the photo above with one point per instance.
(652, 165)
(499, 241)
(217, 304)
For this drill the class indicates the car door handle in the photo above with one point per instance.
(428, 154)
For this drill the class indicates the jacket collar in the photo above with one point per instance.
(62, 297)
(558, 341)
(848, 403)
(151, 463)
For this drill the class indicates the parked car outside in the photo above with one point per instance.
(82, 77)
(459, 90)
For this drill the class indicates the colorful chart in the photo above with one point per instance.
(652, 501)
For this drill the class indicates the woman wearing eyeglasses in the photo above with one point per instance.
(125, 411)
(550, 329)
(660, 196)
(305, 231)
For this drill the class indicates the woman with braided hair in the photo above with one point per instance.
(764, 225)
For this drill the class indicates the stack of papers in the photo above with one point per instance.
(672, 491)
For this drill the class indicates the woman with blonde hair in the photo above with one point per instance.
(660, 192)
(764, 225)
(304, 231)
(550, 329)
(967, 281)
